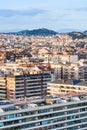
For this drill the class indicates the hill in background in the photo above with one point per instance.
(35, 32)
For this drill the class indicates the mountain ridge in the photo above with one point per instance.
(35, 32)
(48, 32)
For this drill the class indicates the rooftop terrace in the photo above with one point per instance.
(37, 102)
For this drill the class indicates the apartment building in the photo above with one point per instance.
(64, 58)
(27, 85)
(65, 71)
(77, 70)
(57, 58)
(66, 86)
(57, 70)
(20, 80)
(60, 113)
(3, 89)
(70, 71)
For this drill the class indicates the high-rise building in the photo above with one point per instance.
(27, 85)
(22, 81)
(61, 113)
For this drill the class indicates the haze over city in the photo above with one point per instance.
(31, 14)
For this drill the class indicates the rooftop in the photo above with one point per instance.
(69, 82)
(13, 69)
(39, 102)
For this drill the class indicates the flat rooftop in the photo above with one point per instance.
(70, 82)
(37, 102)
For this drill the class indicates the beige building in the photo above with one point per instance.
(60, 87)
(77, 70)
(3, 89)
(20, 81)
(57, 70)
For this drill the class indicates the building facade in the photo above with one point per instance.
(70, 71)
(59, 87)
(27, 85)
(62, 113)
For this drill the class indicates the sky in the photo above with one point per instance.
(58, 15)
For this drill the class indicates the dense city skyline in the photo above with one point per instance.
(30, 14)
(43, 71)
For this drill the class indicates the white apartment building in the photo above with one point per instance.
(60, 113)
(64, 58)
(77, 70)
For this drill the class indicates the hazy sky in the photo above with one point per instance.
(51, 14)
